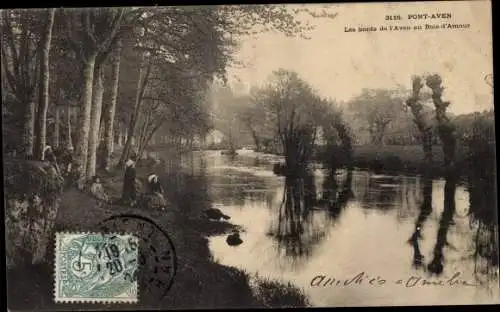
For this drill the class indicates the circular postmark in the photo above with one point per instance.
(157, 258)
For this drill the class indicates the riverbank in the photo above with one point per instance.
(401, 159)
(199, 282)
(398, 159)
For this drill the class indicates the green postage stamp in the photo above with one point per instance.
(93, 267)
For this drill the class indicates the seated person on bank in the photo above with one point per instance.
(154, 199)
(97, 189)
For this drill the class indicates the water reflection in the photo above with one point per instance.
(329, 188)
(425, 211)
(483, 223)
(436, 264)
(336, 200)
(483, 215)
(343, 232)
(295, 232)
(381, 192)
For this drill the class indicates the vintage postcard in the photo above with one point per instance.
(245, 156)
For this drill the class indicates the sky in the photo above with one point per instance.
(339, 64)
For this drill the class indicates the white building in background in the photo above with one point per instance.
(214, 137)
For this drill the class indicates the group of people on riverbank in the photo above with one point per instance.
(153, 198)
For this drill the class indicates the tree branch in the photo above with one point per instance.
(88, 29)
(115, 26)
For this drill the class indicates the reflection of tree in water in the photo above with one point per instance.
(381, 193)
(425, 211)
(296, 232)
(482, 210)
(483, 215)
(436, 264)
(336, 199)
(411, 196)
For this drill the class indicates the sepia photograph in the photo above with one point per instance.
(249, 156)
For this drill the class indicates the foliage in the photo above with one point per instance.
(21, 36)
(336, 150)
(289, 109)
(244, 20)
(376, 110)
(185, 48)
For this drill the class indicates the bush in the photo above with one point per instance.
(33, 191)
(275, 294)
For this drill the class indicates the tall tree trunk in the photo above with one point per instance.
(427, 145)
(119, 141)
(90, 49)
(69, 142)
(43, 89)
(101, 124)
(445, 127)
(57, 126)
(83, 124)
(109, 113)
(141, 86)
(143, 133)
(29, 128)
(95, 120)
(19, 64)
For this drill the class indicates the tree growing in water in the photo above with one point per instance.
(445, 128)
(292, 108)
(421, 118)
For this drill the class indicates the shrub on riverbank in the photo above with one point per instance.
(276, 294)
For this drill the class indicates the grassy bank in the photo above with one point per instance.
(200, 282)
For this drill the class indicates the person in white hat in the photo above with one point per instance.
(154, 185)
(154, 199)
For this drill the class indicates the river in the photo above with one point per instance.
(356, 252)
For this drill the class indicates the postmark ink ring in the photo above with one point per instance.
(157, 258)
